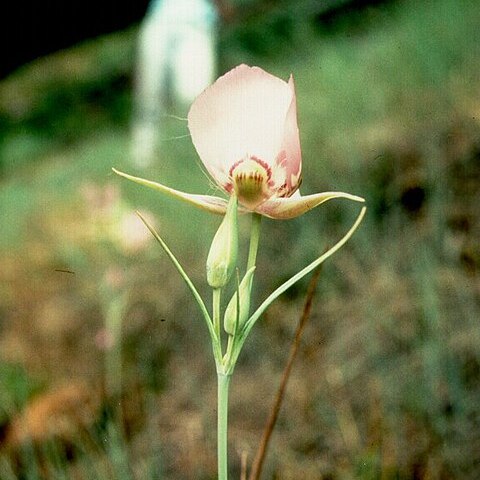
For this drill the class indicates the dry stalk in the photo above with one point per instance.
(272, 420)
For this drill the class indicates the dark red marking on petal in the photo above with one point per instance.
(234, 166)
(264, 164)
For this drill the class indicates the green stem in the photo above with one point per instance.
(217, 293)
(228, 354)
(254, 239)
(222, 425)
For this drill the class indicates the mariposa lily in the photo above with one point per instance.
(244, 128)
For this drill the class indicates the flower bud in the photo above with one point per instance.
(231, 317)
(222, 257)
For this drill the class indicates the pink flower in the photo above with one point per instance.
(244, 128)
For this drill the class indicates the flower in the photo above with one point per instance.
(244, 128)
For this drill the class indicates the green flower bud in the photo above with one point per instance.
(230, 319)
(222, 257)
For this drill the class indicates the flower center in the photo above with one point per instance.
(251, 181)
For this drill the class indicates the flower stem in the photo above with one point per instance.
(217, 293)
(254, 238)
(222, 425)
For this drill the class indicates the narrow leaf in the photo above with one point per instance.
(266, 303)
(186, 278)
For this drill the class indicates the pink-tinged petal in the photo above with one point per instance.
(285, 208)
(243, 113)
(291, 144)
(205, 202)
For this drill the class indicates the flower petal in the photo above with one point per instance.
(242, 113)
(285, 208)
(205, 202)
(291, 144)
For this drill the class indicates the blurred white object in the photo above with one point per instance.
(176, 61)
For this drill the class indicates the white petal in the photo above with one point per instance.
(242, 113)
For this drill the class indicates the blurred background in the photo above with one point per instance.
(105, 364)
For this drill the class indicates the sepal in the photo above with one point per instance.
(210, 203)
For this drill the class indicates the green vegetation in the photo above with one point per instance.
(388, 381)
